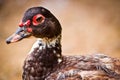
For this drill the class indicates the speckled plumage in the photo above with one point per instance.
(90, 67)
(45, 61)
(41, 61)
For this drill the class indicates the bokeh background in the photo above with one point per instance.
(89, 26)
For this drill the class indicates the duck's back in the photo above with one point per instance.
(92, 67)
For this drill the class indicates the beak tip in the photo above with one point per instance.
(8, 42)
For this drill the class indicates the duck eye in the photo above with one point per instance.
(38, 19)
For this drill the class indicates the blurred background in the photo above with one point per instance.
(89, 26)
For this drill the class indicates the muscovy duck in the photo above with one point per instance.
(45, 61)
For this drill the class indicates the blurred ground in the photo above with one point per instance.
(89, 26)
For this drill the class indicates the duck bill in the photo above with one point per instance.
(17, 36)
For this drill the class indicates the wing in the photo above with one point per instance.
(95, 67)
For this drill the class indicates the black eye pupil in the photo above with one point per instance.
(39, 19)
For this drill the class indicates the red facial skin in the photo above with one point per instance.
(21, 24)
(27, 24)
(29, 30)
(35, 22)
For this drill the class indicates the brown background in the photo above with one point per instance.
(89, 26)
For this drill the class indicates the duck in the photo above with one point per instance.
(45, 60)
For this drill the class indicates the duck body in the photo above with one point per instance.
(89, 67)
(45, 61)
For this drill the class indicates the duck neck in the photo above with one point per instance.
(43, 57)
(48, 51)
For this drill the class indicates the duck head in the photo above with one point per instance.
(38, 22)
